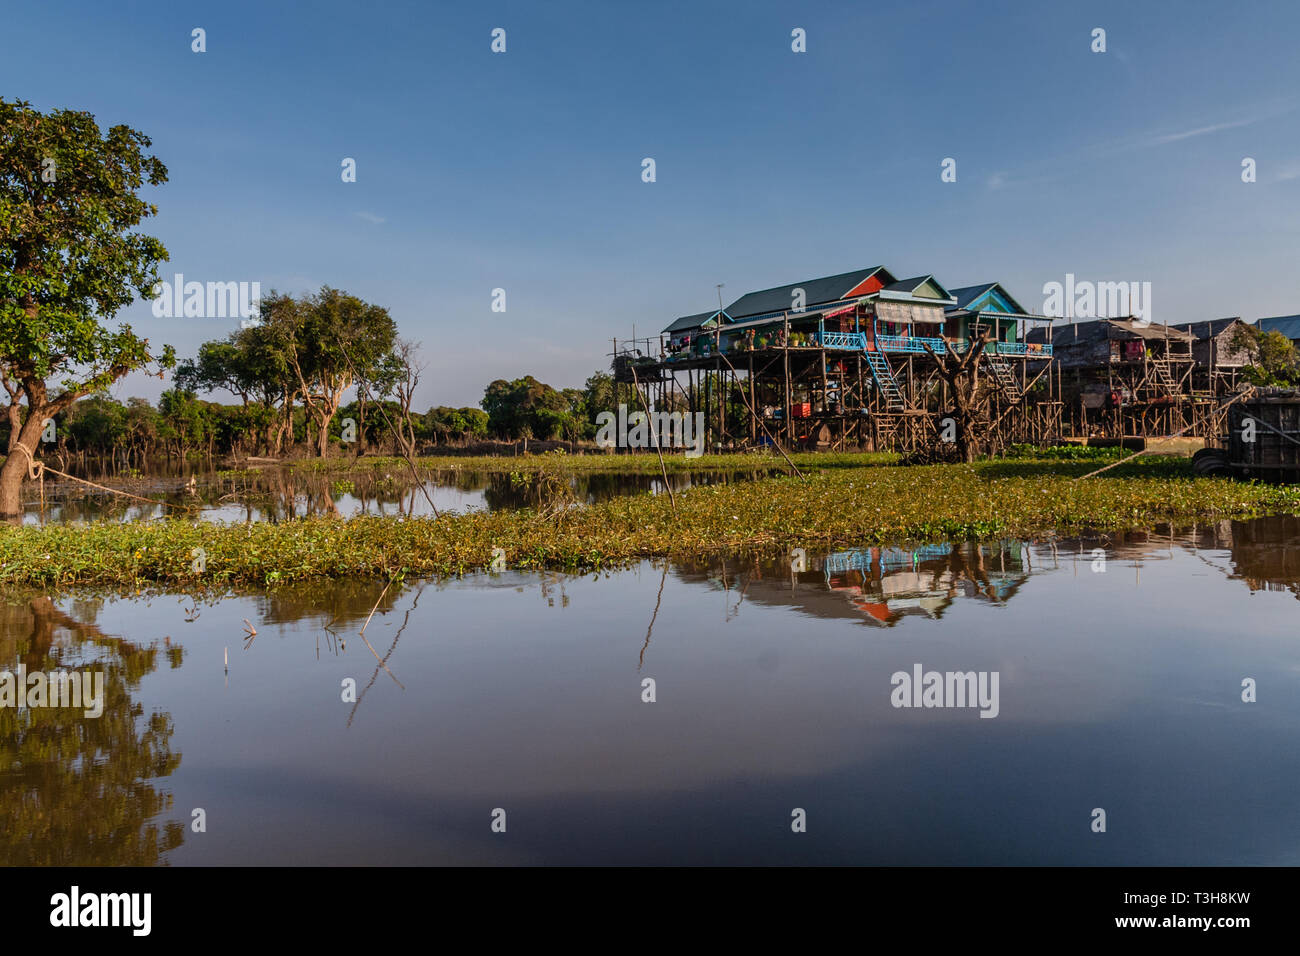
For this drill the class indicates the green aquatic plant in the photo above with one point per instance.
(831, 507)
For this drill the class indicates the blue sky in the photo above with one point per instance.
(522, 170)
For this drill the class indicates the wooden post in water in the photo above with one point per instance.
(722, 397)
(654, 435)
(785, 352)
(753, 403)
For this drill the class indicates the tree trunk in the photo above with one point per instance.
(323, 435)
(14, 469)
(15, 424)
(361, 425)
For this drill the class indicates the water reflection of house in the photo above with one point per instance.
(888, 584)
(1263, 553)
(1266, 553)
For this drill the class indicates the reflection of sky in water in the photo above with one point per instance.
(345, 505)
(272, 496)
(1118, 690)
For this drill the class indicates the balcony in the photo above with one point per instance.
(1037, 350)
(854, 341)
(908, 343)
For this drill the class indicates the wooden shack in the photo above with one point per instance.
(1106, 345)
(1217, 359)
(683, 331)
(1125, 377)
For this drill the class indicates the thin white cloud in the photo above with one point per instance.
(1050, 169)
(1200, 131)
(1153, 138)
(1289, 171)
(370, 217)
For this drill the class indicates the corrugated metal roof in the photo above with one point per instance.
(1065, 336)
(778, 318)
(840, 305)
(909, 286)
(689, 322)
(1210, 329)
(755, 323)
(1288, 325)
(969, 293)
(1081, 333)
(815, 292)
(1152, 330)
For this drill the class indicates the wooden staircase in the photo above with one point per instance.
(886, 382)
(1003, 375)
(1162, 375)
(886, 429)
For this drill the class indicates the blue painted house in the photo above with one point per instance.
(989, 309)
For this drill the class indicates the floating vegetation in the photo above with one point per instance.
(832, 507)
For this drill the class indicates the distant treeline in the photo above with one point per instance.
(182, 424)
(312, 373)
(319, 374)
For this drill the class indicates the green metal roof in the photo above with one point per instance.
(687, 322)
(815, 292)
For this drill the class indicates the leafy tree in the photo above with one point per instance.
(374, 385)
(526, 408)
(141, 422)
(1273, 357)
(220, 365)
(264, 361)
(328, 341)
(69, 261)
(95, 423)
(500, 401)
(443, 423)
(186, 421)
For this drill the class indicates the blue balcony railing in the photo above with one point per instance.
(842, 340)
(1008, 348)
(1022, 348)
(908, 343)
(915, 344)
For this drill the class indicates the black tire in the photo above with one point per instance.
(1210, 463)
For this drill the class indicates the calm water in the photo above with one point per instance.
(1119, 690)
(276, 494)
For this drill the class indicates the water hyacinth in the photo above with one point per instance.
(834, 506)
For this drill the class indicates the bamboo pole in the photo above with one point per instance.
(775, 443)
(654, 435)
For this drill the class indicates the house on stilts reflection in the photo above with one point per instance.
(887, 584)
